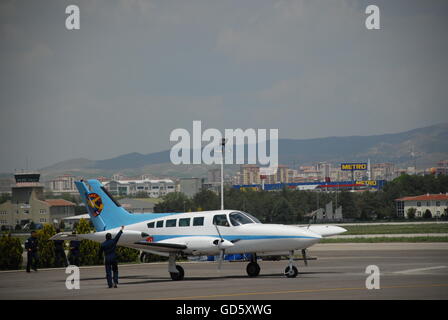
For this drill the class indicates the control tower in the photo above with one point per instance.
(27, 186)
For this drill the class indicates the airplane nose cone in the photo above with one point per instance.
(312, 237)
(340, 230)
(225, 244)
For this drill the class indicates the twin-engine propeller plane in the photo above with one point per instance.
(201, 233)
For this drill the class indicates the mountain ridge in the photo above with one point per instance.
(429, 143)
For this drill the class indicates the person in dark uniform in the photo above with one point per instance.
(110, 261)
(59, 252)
(31, 246)
(74, 252)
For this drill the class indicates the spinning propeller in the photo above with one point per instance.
(222, 246)
(305, 258)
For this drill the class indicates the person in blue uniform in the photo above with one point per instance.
(59, 252)
(31, 246)
(74, 252)
(110, 260)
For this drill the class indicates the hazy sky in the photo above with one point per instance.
(138, 69)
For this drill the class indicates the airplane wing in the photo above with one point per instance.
(162, 246)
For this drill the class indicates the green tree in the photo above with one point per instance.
(427, 214)
(149, 257)
(207, 200)
(174, 202)
(282, 212)
(10, 253)
(411, 213)
(347, 201)
(127, 254)
(89, 250)
(46, 246)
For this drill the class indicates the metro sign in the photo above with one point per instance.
(353, 166)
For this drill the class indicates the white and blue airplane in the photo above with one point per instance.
(217, 232)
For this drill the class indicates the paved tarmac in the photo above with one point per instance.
(408, 271)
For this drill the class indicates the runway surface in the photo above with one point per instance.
(408, 271)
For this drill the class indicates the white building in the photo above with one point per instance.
(190, 186)
(62, 184)
(435, 203)
(153, 188)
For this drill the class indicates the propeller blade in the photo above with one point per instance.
(221, 257)
(305, 259)
(219, 233)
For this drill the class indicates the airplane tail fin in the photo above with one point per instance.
(104, 211)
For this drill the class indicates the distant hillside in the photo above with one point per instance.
(430, 145)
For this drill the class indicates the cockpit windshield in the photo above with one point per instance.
(240, 218)
(252, 217)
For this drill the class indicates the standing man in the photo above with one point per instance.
(59, 252)
(31, 246)
(110, 261)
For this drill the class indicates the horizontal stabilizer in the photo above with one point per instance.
(66, 236)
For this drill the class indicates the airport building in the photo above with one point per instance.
(62, 184)
(152, 188)
(137, 205)
(5, 185)
(249, 174)
(437, 204)
(28, 204)
(214, 176)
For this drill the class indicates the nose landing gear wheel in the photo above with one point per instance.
(291, 272)
(176, 276)
(253, 269)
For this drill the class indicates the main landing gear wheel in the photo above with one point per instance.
(291, 272)
(176, 276)
(253, 269)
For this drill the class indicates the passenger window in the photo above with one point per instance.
(198, 221)
(221, 220)
(160, 224)
(151, 225)
(184, 222)
(171, 223)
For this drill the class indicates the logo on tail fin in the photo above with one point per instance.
(95, 204)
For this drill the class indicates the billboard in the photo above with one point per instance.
(367, 182)
(352, 166)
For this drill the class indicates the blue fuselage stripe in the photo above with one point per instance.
(231, 237)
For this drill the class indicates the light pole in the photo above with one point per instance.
(223, 146)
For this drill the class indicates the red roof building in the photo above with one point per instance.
(59, 203)
(437, 204)
(425, 197)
